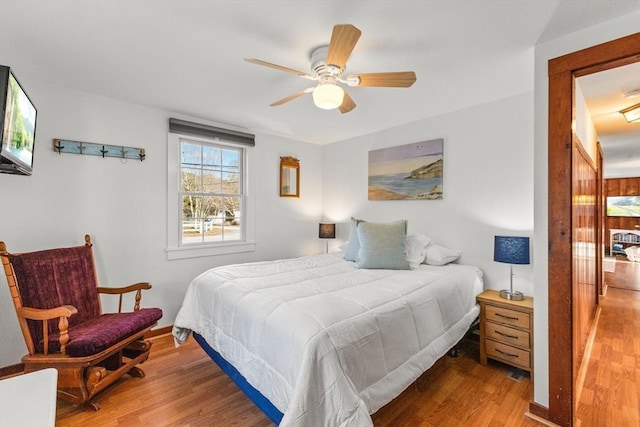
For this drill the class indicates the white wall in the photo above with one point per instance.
(592, 36)
(585, 129)
(488, 183)
(123, 206)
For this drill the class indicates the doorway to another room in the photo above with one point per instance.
(566, 408)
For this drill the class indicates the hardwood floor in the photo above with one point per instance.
(183, 387)
(611, 392)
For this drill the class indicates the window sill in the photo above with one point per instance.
(185, 252)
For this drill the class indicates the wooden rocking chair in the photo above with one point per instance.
(56, 296)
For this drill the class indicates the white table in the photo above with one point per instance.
(29, 400)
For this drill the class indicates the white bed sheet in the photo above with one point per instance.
(329, 344)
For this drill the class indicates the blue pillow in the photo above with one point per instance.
(353, 246)
(382, 245)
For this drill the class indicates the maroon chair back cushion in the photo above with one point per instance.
(55, 277)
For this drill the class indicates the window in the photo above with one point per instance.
(208, 199)
(210, 192)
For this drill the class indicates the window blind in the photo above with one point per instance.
(198, 129)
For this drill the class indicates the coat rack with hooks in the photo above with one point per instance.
(93, 149)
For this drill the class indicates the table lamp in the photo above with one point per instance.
(327, 231)
(511, 250)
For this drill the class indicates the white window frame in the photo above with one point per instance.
(174, 212)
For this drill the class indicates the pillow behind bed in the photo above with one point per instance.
(439, 255)
(416, 249)
(353, 245)
(382, 245)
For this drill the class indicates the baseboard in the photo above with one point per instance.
(541, 420)
(539, 413)
(159, 331)
(586, 356)
(11, 370)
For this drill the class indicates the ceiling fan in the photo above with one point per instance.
(327, 68)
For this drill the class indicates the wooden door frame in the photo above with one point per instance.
(561, 73)
(601, 198)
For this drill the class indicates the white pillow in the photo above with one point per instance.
(416, 249)
(633, 253)
(439, 255)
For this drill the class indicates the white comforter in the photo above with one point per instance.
(327, 343)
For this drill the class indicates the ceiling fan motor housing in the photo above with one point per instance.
(326, 73)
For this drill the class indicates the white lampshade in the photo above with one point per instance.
(328, 96)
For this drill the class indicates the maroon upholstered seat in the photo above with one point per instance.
(57, 300)
(98, 334)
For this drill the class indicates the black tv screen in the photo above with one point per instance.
(17, 125)
(623, 206)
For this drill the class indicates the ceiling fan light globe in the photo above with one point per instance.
(328, 96)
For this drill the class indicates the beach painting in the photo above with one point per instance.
(407, 172)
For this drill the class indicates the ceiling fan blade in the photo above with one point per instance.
(280, 68)
(343, 40)
(291, 97)
(393, 79)
(347, 104)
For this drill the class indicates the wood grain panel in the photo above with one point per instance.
(560, 249)
(584, 254)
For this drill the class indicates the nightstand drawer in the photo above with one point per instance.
(510, 317)
(508, 335)
(511, 355)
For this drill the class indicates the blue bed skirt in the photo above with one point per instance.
(256, 397)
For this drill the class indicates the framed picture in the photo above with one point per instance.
(289, 177)
(623, 206)
(407, 172)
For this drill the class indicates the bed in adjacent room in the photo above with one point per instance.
(318, 341)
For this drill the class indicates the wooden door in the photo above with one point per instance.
(584, 236)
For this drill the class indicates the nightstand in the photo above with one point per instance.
(506, 330)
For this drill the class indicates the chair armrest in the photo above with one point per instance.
(138, 287)
(46, 314)
(124, 289)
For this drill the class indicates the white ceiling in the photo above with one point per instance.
(604, 96)
(187, 56)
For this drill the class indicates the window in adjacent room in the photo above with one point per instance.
(208, 204)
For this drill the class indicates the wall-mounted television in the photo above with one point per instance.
(623, 206)
(17, 125)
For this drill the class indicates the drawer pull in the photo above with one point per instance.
(506, 335)
(507, 317)
(505, 353)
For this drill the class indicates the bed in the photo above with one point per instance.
(322, 342)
